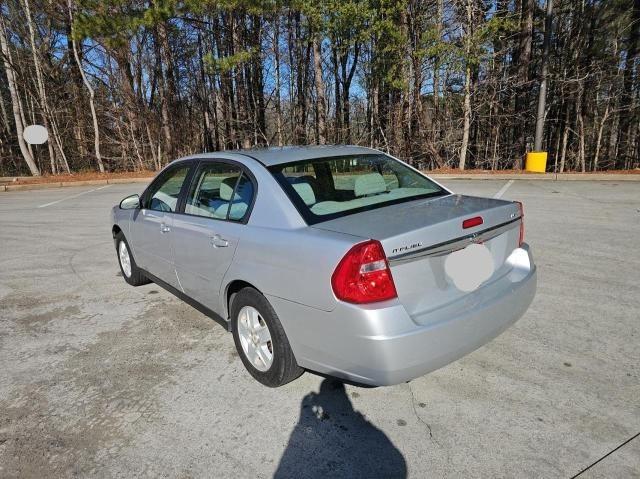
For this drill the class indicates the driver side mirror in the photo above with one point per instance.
(130, 203)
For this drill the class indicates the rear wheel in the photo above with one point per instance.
(261, 341)
(130, 271)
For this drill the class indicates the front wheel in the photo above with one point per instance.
(261, 341)
(130, 271)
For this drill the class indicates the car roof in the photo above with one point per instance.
(287, 154)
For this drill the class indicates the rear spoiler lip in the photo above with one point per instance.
(455, 244)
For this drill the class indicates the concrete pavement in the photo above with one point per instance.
(106, 380)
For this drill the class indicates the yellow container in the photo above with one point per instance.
(536, 161)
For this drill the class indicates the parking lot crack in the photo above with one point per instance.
(415, 412)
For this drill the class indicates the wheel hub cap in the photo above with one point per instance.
(125, 260)
(255, 338)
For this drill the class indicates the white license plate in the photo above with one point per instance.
(468, 268)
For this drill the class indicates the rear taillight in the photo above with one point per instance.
(521, 208)
(363, 275)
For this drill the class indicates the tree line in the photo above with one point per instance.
(131, 85)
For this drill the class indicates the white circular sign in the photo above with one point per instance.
(35, 134)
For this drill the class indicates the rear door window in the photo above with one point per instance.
(221, 191)
(241, 199)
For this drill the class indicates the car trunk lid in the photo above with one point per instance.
(418, 236)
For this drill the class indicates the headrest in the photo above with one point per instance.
(305, 192)
(244, 192)
(237, 210)
(226, 188)
(369, 184)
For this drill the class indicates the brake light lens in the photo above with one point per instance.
(363, 275)
(521, 208)
(471, 222)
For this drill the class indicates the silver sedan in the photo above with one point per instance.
(341, 260)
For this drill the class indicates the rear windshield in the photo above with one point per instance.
(328, 188)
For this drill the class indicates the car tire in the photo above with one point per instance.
(282, 368)
(130, 272)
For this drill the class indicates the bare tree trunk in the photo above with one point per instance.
(276, 51)
(227, 109)
(632, 146)
(580, 124)
(49, 119)
(241, 86)
(581, 156)
(347, 78)
(135, 145)
(23, 117)
(15, 99)
(56, 137)
(338, 98)
(612, 147)
(557, 149)
(563, 154)
(320, 99)
(436, 71)
(494, 156)
(94, 117)
(164, 112)
(437, 90)
(404, 106)
(131, 103)
(167, 85)
(207, 139)
(628, 119)
(467, 91)
(156, 157)
(467, 118)
(524, 59)
(5, 117)
(39, 83)
(375, 115)
(596, 156)
(52, 153)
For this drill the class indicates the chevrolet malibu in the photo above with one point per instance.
(341, 260)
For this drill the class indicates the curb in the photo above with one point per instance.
(38, 186)
(11, 179)
(539, 177)
(65, 184)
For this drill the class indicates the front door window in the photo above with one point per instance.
(164, 195)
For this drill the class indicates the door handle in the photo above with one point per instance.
(164, 228)
(218, 241)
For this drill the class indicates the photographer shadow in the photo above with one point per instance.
(331, 439)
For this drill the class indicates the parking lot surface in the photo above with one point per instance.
(101, 379)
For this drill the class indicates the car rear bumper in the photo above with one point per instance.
(383, 345)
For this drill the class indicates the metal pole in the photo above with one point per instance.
(542, 95)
